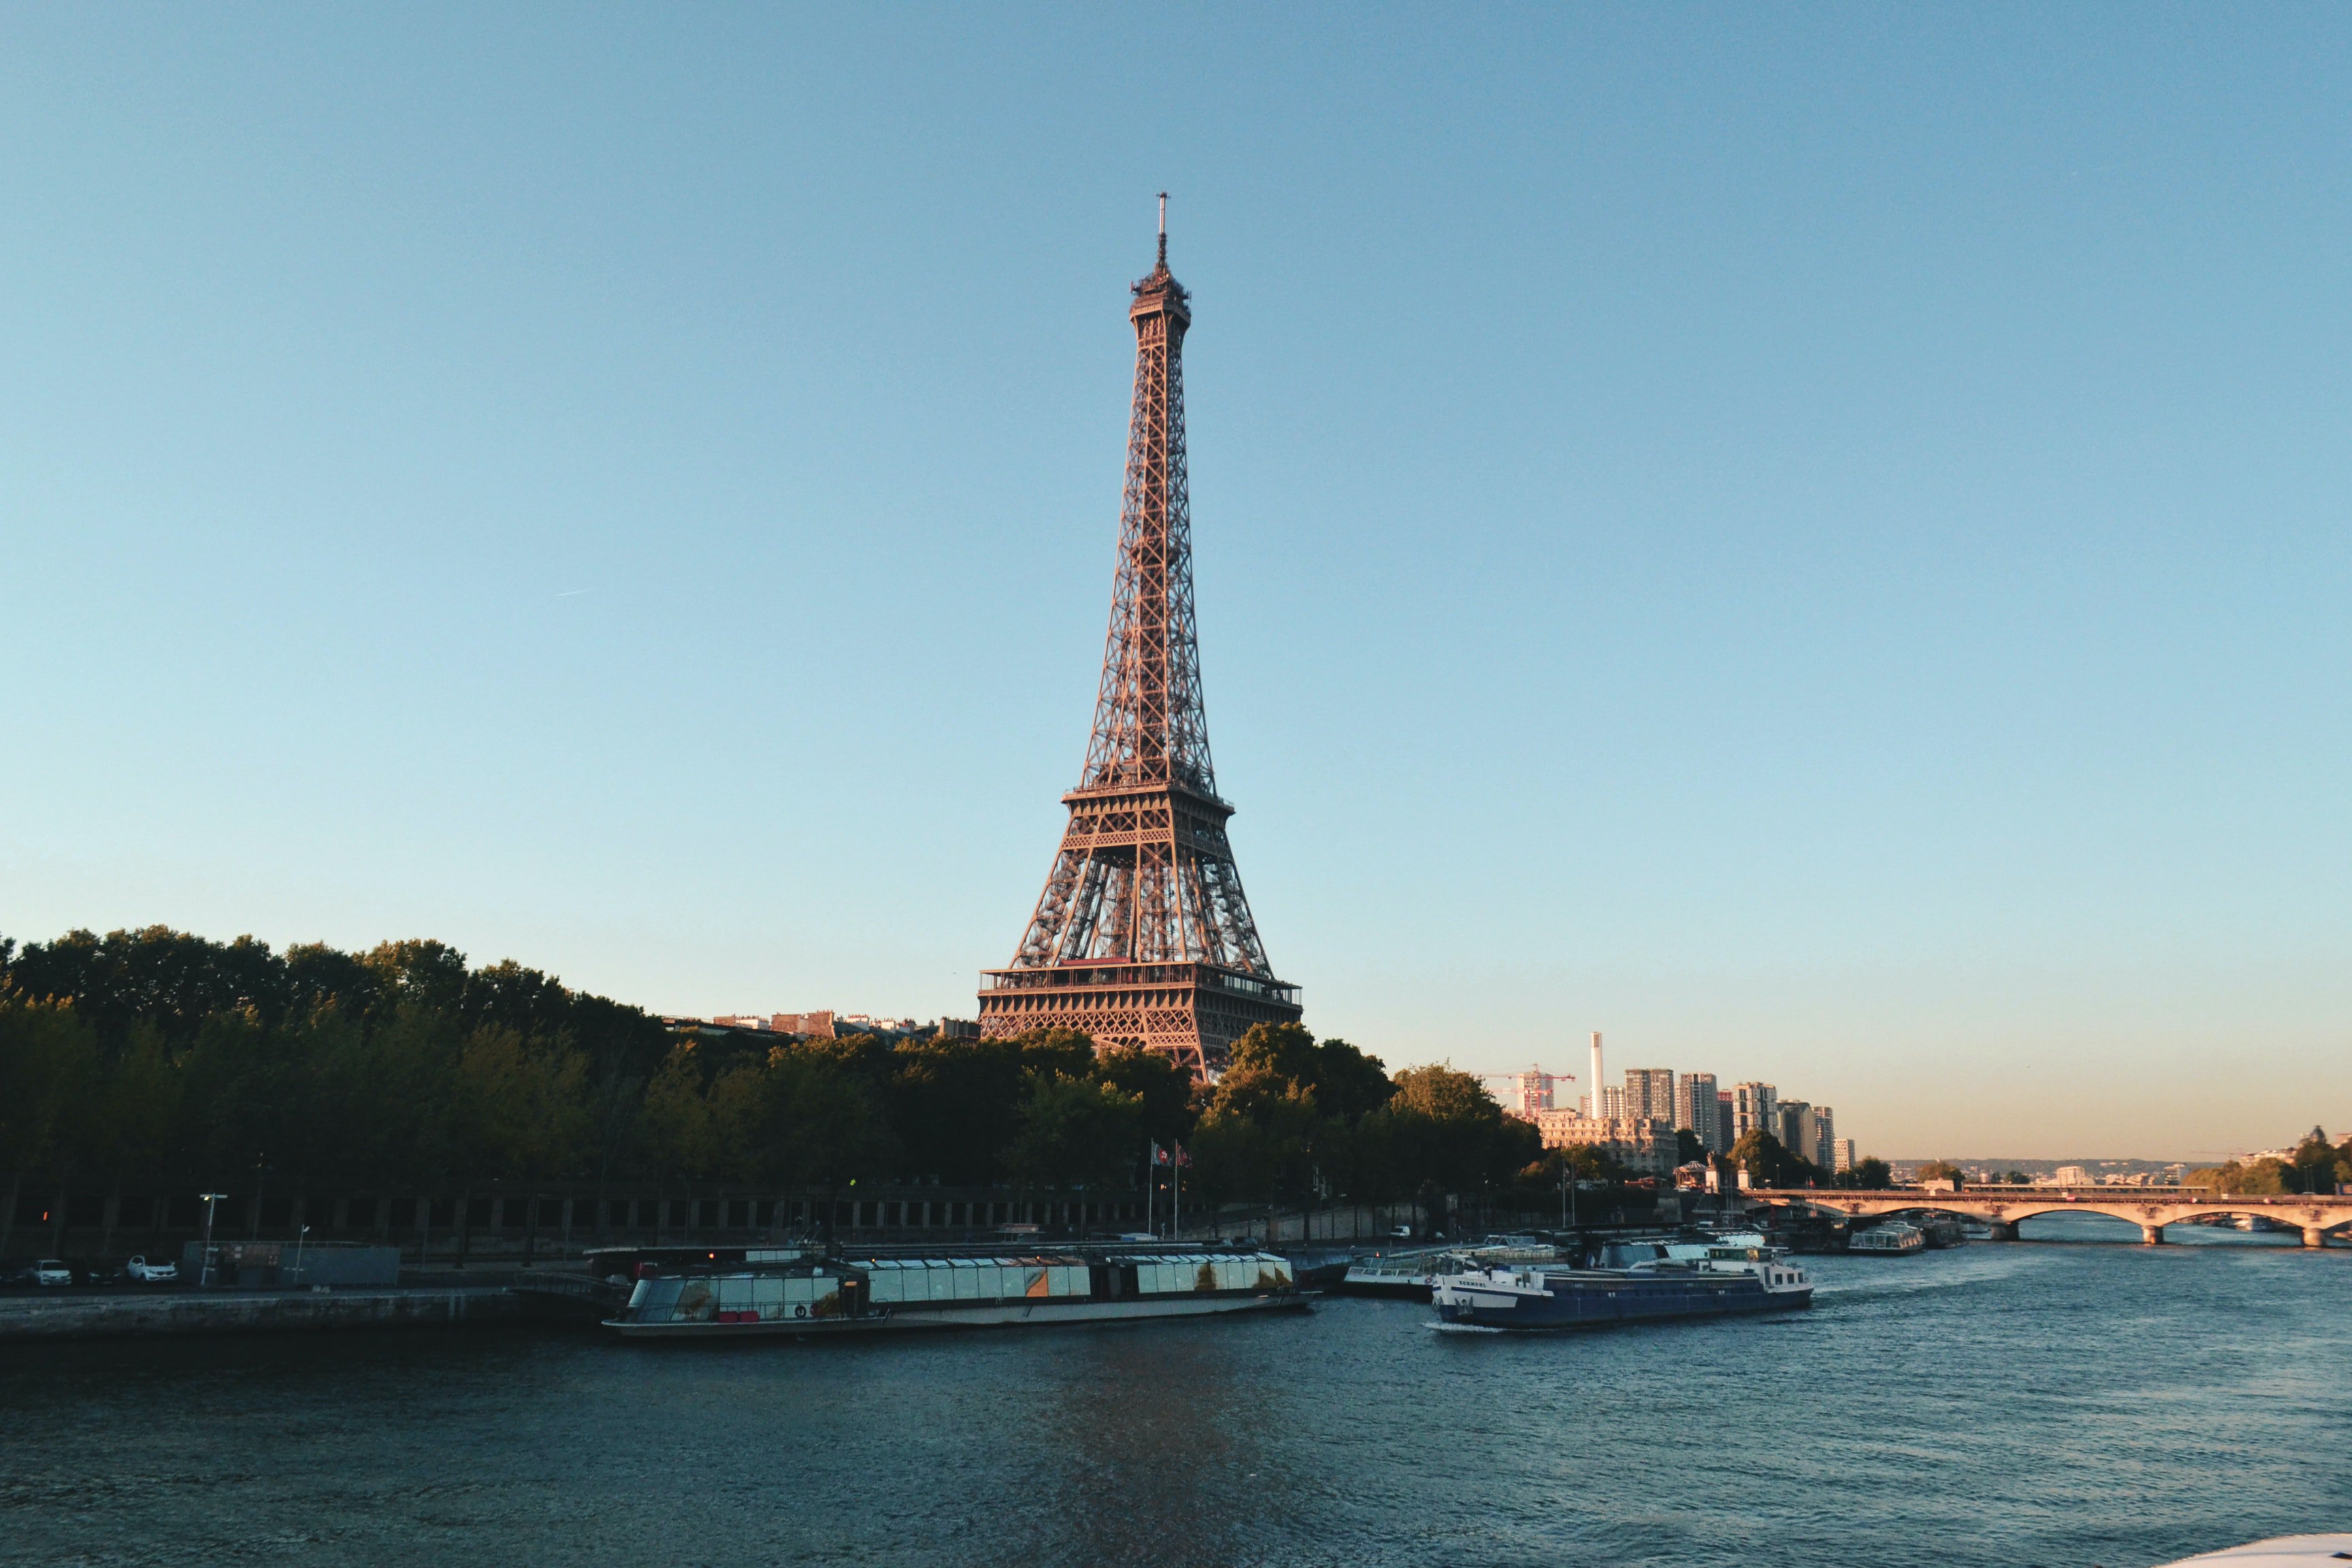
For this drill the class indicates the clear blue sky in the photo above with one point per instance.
(1812, 539)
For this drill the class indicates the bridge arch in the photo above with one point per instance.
(2024, 1211)
(2161, 1214)
(1879, 1207)
(2004, 1208)
(2224, 1209)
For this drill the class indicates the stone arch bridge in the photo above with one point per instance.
(2001, 1207)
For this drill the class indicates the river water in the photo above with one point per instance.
(2001, 1405)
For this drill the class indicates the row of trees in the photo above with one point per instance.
(1771, 1164)
(2315, 1166)
(155, 1056)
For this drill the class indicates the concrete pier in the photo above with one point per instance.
(130, 1314)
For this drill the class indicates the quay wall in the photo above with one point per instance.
(502, 1229)
(502, 1226)
(116, 1315)
(510, 1225)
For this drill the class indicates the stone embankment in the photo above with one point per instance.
(126, 1314)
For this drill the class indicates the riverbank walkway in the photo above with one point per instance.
(136, 1313)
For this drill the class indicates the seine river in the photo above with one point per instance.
(2001, 1405)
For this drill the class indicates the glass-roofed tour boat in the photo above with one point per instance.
(810, 1293)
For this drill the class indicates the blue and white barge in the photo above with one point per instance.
(1726, 1281)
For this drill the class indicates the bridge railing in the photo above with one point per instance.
(2092, 1194)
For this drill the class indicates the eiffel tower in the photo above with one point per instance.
(1143, 936)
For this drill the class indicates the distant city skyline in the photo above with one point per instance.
(1811, 542)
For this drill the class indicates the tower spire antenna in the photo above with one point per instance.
(1163, 228)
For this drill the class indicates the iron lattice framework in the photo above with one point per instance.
(1143, 936)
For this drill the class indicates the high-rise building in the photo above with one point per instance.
(1694, 1109)
(1143, 936)
(1789, 1126)
(1842, 1152)
(1755, 1108)
(1613, 1100)
(1820, 1133)
(1650, 1092)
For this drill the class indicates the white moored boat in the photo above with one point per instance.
(1892, 1239)
(1412, 1274)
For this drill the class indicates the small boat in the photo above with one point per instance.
(1408, 1275)
(1319, 1268)
(1729, 1280)
(1411, 1275)
(1943, 1230)
(1892, 1239)
(803, 1295)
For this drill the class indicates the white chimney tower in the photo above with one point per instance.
(1592, 1100)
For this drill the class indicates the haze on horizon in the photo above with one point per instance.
(1811, 542)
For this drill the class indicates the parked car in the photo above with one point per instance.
(52, 1271)
(142, 1272)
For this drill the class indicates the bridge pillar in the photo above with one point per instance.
(2151, 1235)
(2314, 1237)
(2004, 1230)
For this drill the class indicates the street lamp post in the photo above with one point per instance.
(300, 1243)
(205, 1270)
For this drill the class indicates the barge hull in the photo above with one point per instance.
(1009, 1314)
(1587, 1300)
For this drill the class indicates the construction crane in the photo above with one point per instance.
(1533, 1077)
